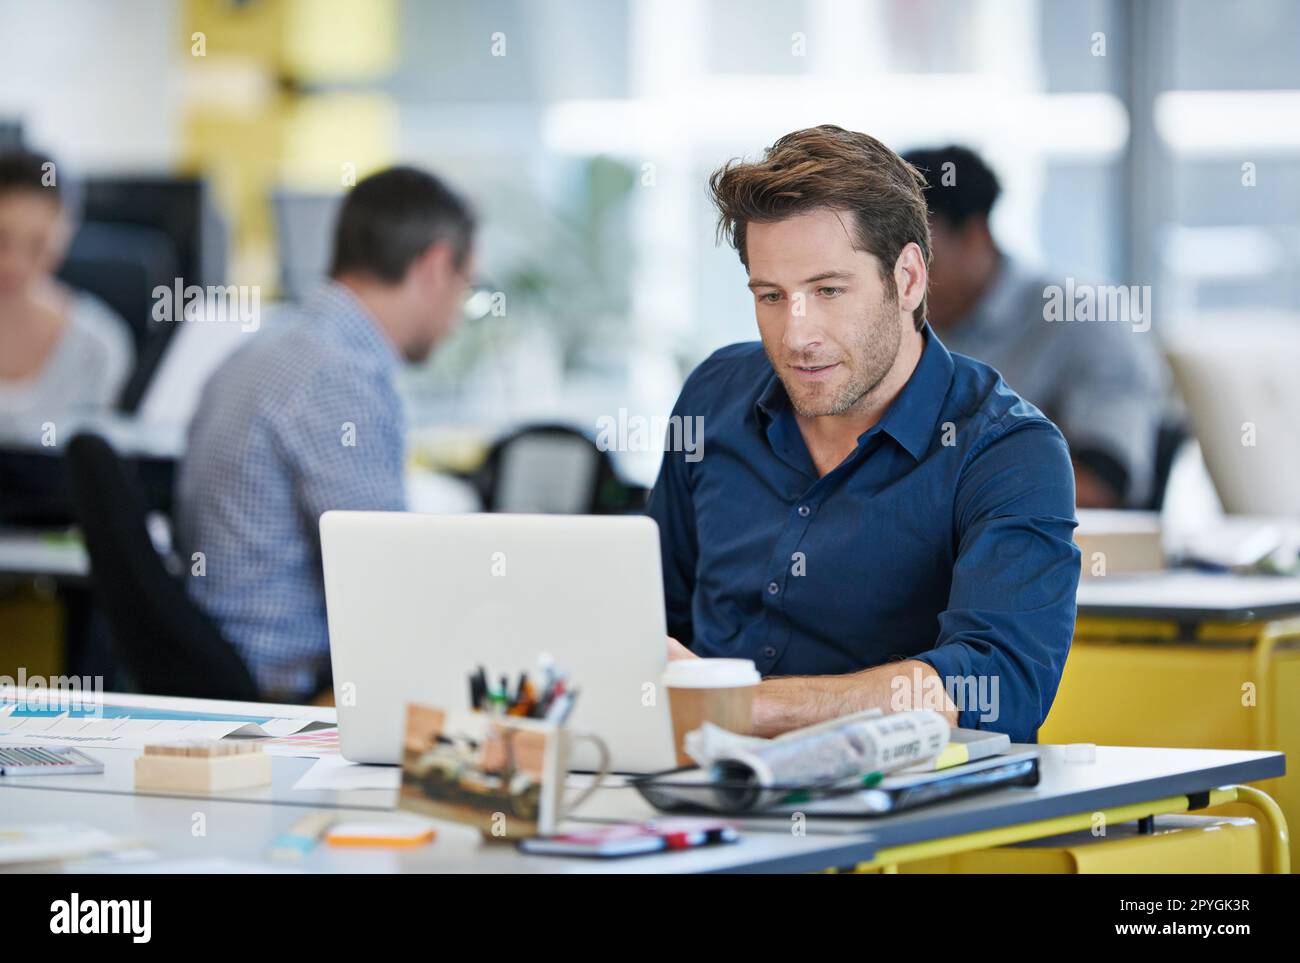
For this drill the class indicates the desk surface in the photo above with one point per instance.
(241, 825)
(55, 553)
(60, 553)
(1187, 596)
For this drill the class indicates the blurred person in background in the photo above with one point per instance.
(307, 418)
(60, 350)
(1101, 383)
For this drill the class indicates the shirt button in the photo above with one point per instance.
(773, 588)
(770, 652)
(804, 511)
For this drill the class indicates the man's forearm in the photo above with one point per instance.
(791, 702)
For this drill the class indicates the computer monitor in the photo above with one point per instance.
(304, 228)
(137, 232)
(1237, 376)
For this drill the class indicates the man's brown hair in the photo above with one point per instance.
(836, 169)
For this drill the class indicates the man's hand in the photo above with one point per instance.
(678, 651)
(792, 702)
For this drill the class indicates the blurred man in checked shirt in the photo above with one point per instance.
(307, 418)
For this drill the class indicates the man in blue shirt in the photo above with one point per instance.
(307, 419)
(871, 519)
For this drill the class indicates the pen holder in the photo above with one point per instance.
(504, 775)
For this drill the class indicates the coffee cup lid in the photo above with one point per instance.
(710, 673)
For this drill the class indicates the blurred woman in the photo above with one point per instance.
(61, 350)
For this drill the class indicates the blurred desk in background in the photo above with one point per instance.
(34, 486)
(1186, 659)
(54, 553)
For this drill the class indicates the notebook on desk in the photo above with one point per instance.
(909, 790)
(694, 790)
(966, 745)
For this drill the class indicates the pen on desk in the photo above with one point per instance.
(807, 795)
(302, 836)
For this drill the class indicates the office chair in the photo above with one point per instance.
(1170, 438)
(167, 646)
(553, 469)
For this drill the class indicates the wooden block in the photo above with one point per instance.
(202, 748)
(202, 767)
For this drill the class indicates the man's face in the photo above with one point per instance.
(442, 301)
(958, 265)
(829, 322)
(31, 239)
(945, 273)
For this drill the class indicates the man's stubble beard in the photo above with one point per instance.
(874, 351)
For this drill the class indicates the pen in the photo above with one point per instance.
(526, 702)
(555, 712)
(480, 682)
(806, 795)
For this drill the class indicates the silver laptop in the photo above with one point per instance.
(417, 602)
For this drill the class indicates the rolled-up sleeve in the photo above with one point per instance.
(1005, 634)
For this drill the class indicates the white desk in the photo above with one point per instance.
(55, 554)
(1190, 596)
(241, 825)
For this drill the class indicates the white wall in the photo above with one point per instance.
(96, 83)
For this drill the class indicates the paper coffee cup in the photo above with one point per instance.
(720, 691)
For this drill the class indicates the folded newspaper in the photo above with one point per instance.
(746, 773)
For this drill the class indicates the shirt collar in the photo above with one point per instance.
(772, 399)
(910, 420)
(334, 306)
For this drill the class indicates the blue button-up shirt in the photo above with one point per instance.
(299, 421)
(945, 536)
